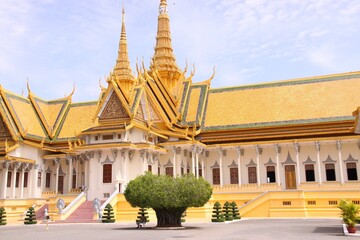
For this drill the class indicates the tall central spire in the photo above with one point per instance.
(122, 68)
(164, 57)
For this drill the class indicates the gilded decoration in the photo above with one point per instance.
(153, 115)
(139, 113)
(4, 132)
(113, 109)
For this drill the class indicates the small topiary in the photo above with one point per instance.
(235, 211)
(108, 215)
(183, 215)
(227, 209)
(142, 215)
(217, 213)
(30, 216)
(2, 216)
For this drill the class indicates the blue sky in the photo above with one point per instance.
(55, 43)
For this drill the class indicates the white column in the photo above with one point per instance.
(57, 163)
(318, 162)
(202, 155)
(69, 159)
(86, 172)
(239, 153)
(126, 164)
(16, 166)
(6, 166)
(198, 150)
(178, 161)
(258, 153)
(173, 149)
(297, 152)
(78, 174)
(278, 151)
(33, 183)
(22, 179)
(338, 146)
(142, 161)
(221, 153)
(193, 153)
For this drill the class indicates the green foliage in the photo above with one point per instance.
(235, 211)
(227, 209)
(164, 192)
(217, 213)
(142, 215)
(2, 216)
(30, 216)
(349, 212)
(108, 215)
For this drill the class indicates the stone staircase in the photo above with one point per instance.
(84, 214)
(41, 212)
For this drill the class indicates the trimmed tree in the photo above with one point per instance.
(2, 216)
(168, 196)
(227, 209)
(30, 216)
(217, 213)
(108, 215)
(235, 211)
(142, 215)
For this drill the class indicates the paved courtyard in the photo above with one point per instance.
(277, 229)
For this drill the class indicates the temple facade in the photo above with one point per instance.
(299, 137)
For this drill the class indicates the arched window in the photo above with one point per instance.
(107, 173)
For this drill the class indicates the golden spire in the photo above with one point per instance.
(164, 58)
(122, 69)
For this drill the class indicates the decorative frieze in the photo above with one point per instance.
(288, 160)
(270, 163)
(6, 165)
(251, 163)
(277, 148)
(114, 153)
(131, 154)
(317, 145)
(351, 159)
(258, 150)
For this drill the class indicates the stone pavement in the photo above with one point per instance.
(269, 229)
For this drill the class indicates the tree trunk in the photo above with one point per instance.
(169, 217)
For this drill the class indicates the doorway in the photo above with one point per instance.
(290, 177)
(61, 185)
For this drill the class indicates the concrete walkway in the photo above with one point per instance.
(269, 229)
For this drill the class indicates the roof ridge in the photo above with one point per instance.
(295, 81)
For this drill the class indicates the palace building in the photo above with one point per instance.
(279, 149)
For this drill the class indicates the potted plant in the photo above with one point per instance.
(349, 214)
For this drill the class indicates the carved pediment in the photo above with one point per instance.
(4, 131)
(113, 109)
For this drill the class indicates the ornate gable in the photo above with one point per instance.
(4, 131)
(113, 109)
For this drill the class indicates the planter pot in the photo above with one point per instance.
(351, 229)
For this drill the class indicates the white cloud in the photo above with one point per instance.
(58, 42)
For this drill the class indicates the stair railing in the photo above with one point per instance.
(69, 209)
(112, 196)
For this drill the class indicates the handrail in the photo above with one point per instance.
(112, 196)
(72, 204)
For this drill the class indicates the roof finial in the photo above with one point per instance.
(164, 56)
(122, 69)
(163, 7)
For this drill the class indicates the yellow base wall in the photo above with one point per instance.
(292, 203)
(16, 208)
(288, 204)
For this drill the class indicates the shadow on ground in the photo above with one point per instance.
(330, 230)
(154, 228)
